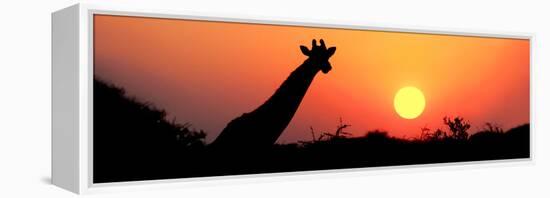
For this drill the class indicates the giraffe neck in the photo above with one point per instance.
(285, 101)
(263, 126)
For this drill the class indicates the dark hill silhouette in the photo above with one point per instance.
(133, 140)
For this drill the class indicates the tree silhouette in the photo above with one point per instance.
(458, 127)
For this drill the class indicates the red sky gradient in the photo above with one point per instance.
(207, 73)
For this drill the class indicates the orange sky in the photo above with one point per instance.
(207, 73)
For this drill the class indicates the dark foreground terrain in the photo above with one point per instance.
(134, 141)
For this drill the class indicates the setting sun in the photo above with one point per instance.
(409, 102)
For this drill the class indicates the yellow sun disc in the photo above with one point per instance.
(409, 102)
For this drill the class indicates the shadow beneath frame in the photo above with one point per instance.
(46, 180)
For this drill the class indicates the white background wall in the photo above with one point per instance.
(25, 102)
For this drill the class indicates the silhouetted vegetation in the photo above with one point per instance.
(133, 140)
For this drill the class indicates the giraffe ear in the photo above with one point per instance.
(305, 51)
(331, 51)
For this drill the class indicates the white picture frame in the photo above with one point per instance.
(72, 102)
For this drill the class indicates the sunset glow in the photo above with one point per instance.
(208, 73)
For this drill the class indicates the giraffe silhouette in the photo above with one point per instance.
(260, 128)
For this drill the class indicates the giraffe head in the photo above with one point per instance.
(319, 55)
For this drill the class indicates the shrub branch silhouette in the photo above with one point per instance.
(492, 128)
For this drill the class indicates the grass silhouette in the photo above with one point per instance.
(133, 140)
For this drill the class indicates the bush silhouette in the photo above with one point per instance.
(377, 136)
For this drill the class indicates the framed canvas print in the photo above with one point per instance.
(147, 96)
